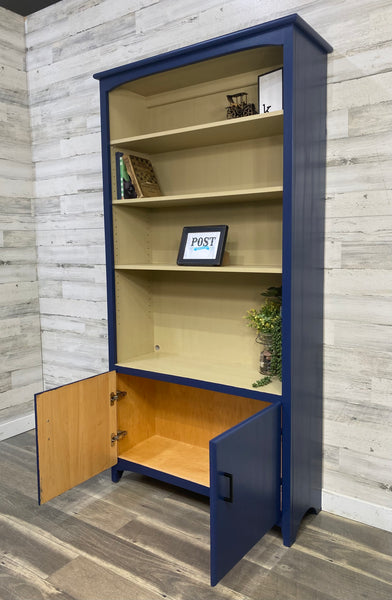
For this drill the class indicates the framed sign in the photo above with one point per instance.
(202, 245)
(271, 91)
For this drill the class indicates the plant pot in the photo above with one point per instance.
(265, 339)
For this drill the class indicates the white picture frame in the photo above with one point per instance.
(271, 91)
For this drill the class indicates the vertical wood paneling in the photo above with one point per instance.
(20, 342)
(72, 39)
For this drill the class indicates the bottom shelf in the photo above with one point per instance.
(231, 374)
(175, 458)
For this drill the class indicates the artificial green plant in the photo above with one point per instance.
(267, 320)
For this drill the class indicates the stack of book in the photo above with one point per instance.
(135, 177)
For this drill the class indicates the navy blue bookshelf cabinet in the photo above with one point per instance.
(178, 403)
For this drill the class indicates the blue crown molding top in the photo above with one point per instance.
(291, 20)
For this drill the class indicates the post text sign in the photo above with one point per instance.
(202, 245)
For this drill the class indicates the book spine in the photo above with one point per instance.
(119, 179)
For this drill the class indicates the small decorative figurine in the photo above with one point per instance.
(239, 106)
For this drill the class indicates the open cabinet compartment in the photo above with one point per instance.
(170, 426)
(157, 233)
(191, 437)
(233, 155)
(167, 429)
(191, 325)
(187, 96)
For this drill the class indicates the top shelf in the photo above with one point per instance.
(207, 134)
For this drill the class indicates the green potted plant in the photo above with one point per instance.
(267, 320)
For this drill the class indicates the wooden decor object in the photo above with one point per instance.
(142, 175)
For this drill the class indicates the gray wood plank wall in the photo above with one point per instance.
(20, 344)
(72, 39)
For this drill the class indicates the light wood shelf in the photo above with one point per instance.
(186, 461)
(207, 134)
(201, 269)
(251, 195)
(192, 367)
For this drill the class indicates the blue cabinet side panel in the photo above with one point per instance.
(302, 416)
(108, 222)
(244, 488)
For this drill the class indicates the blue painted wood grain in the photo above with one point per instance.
(303, 265)
(244, 488)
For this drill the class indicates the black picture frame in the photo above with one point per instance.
(206, 242)
(270, 87)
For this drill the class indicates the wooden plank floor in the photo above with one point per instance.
(143, 540)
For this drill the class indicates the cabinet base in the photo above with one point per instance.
(124, 465)
(116, 474)
(290, 530)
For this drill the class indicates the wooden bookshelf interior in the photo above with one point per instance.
(189, 321)
(169, 426)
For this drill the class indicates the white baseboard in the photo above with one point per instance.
(16, 425)
(358, 510)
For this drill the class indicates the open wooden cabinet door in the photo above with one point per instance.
(74, 425)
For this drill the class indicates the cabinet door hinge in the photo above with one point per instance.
(116, 396)
(117, 436)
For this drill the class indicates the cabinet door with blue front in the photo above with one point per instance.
(245, 488)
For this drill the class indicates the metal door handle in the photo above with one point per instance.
(229, 498)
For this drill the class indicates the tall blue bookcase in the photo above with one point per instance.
(178, 402)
